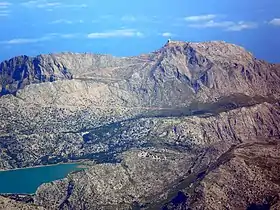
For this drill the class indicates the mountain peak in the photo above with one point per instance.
(219, 51)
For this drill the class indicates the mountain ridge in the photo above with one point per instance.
(60, 68)
(173, 55)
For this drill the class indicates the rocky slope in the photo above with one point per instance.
(170, 129)
(9, 204)
(178, 151)
(252, 171)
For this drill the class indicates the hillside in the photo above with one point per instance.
(169, 129)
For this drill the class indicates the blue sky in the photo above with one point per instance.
(126, 27)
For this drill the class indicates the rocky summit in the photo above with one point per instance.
(189, 126)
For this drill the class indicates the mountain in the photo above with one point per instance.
(191, 125)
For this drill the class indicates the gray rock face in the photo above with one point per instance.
(21, 71)
(159, 129)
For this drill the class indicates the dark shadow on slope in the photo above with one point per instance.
(178, 202)
(223, 104)
(259, 207)
(104, 133)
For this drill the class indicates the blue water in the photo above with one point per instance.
(29, 179)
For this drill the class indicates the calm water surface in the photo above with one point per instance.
(29, 179)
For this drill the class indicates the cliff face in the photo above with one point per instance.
(160, 127)
(21, 71)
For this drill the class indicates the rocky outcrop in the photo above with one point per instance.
(248, 179)
(158, 128)
(21, 71)
(9, 204)
(244, 177)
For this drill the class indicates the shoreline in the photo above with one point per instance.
(41, 166)
(77, 166)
